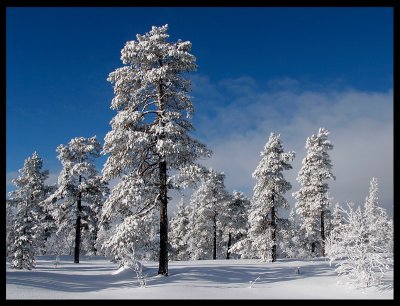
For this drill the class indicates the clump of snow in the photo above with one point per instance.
(120, 270)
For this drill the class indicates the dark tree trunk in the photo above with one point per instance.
(215, 237)
(322, 217)
(322, 233)
(273, 234)
(163, 257)
(43, 245)
(312, 247)
(229, 245)
(96, 230)
(78, 227)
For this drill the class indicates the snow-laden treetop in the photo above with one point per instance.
(154, 108)
(149, 144)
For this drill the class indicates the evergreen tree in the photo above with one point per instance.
(179, 233)
(27, 229)
(371, 201)
(208, 216)
(150, 133)
(380, 228)
(328, 219)
(267, 198)
(236, 225)
(48, 224)
(312, 199)
(337, 218)
(80, 192)
(10, 220)
(293, 243)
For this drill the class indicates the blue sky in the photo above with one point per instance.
(288, 70)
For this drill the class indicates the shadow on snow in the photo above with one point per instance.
(238, 274)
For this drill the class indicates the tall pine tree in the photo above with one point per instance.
(312, 198)
(380, 227)
(10, 219)
(337, 218)
(28, 198)
(236, 225)
(208, 215)
(293, 243)
(80, 192)
(269, 195)
(371, 201)
(178, 235)
(150, 133)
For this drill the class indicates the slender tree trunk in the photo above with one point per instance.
(24, 252)
(322, 218)
(215, 237)
(78, 227)
(163, 256)
(322, 233)
(273, 234)
(96, 230)
(43, 244)
(229, 245)
(163, 259)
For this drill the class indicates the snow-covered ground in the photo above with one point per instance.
(98, 278)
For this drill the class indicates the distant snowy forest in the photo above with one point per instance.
(150, 151)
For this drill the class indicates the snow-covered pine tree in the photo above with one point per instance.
(290, 243)
(150, 133)
(27, 198)
(380, 229)
(333, 242)
(96, 194)
(178, 235)
(236, 225)
(268, 197)
(337, 218)
(10, 219)
(80, 190)
(371, 201)
(48, 223)
(300, 241)
(327, 221)
(208, 215)
(312, 199)
(390, 237)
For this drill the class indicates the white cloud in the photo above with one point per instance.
(238, 123)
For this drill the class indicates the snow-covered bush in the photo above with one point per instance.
(360, 247)
(138, 233)
(129, 260)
